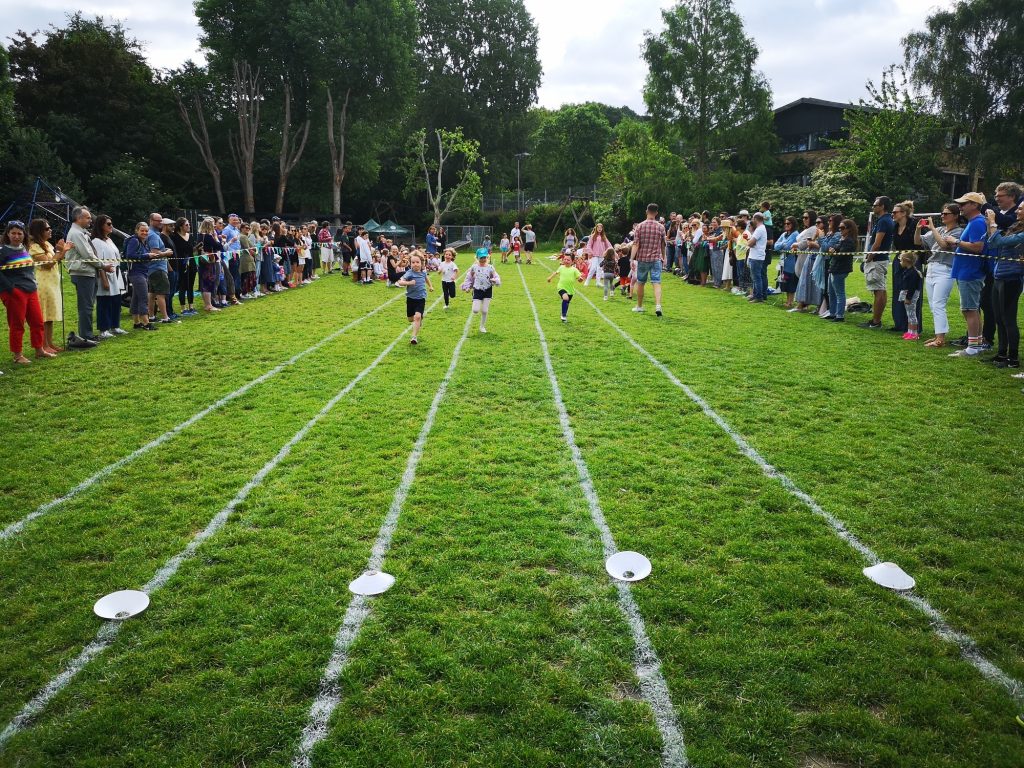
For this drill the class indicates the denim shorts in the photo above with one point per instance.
(970, 294)
(875, 273)
(648, 271)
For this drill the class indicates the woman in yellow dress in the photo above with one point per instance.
(47, 259)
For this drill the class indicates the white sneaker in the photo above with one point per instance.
(638, 309)
(483, 330)
(106, 335)
(657, 309)
(606, 298)
(794, 309)
(120, 332)
(565, 319)
(1017, 375)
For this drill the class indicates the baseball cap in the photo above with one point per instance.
(973, 197)
(744, 212)
(481, 253)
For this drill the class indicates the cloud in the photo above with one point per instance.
(590, 49)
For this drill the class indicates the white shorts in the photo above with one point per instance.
(326, 255)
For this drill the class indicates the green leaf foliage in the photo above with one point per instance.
(568, 146)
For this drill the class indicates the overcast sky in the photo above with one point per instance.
(590, 49)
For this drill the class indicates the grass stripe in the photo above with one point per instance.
(110, 630)
(359, 607)
(15, 528)
(647, 666)
(968, 647)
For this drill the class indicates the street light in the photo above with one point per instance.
(519, 194)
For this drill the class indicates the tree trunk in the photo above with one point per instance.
(291, 148)
(201, 137)
(337, 148)
(248, 97)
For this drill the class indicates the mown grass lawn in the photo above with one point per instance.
(501, 642)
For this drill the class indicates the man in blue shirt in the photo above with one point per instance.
(876, 266)
(232, 249)
(159, 282)
(969, 270)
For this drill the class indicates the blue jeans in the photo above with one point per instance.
(759, 274)
(670, 256)
(837, 294)
(172, 277)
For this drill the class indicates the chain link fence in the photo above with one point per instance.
(505, 200)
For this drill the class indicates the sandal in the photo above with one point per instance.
(935, 343)
(22, 360)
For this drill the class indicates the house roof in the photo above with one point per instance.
(823, 103)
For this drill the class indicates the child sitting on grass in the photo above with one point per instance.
(568, 276)
(416, 283)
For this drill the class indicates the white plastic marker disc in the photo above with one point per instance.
(890, 576)
(628, 566)
(121, 605)
(372, 583)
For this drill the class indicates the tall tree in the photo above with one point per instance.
(702, 88)
(966, 63)
(292, 147)
(479, 69)
(450, 175)
(248, 97)
(192, 89)
(569, 144)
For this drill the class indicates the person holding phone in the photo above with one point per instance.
(938, 281)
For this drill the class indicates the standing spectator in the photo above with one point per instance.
(159, 282)
(596, 246)
(938, 282)
(18, 292)
(111, 285)
(903, 238)
(431, 241)
(516, 232)
(46, 259)
(840, 266)
(137, 252)
(83, 268)
(210, 249)
(649, 251)
(247, 261)
(757, 239)
(267, 271)
(1008, 276)
(769, 224)
(442, 239)
(344, 239)
(671, 230)
(786, 246)
(529, 242)
(166, 233)
(876, 264)
(185, 264)
(365, 255)
(740, 249)
(969, 270)
(715, 238)
(326, 248)
(232, 239)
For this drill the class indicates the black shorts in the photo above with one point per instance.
(529, 247)
(293, 257)
(412, 306)
(486, 293)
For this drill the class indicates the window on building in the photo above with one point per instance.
(955, 184)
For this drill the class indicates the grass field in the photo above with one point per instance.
(503, 641)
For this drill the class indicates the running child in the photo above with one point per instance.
(568, 276)
(448, 272)
(503, 246)
(481, 278)
(416, 283)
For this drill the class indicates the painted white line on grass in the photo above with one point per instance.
(968, 647)
(15, 528)
(646, 665)
(329, 696)
(109, 631)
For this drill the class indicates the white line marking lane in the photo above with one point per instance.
(647, 665)
(968, 647)
(329, 696)
(108, 632)
(17, 527)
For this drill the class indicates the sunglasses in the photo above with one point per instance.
(842, 226)
(16, 223)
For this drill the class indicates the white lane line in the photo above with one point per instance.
(646, 664)
(329, 696)
(968, 647)
(109, 631)
(15, 528)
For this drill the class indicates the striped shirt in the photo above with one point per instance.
(650, 240)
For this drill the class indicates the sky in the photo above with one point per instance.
(590, 49)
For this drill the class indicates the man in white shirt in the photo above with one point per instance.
(515, 233)
(757, 238)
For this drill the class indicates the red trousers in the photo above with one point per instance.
(23, 307)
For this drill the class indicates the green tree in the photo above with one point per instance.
(966, 65)
(125, 193)
(569, 144)
(893, 146)
(702, 88)
(639, 169)
(478, 69)
(450, 175)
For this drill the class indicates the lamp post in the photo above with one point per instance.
(519, 193)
